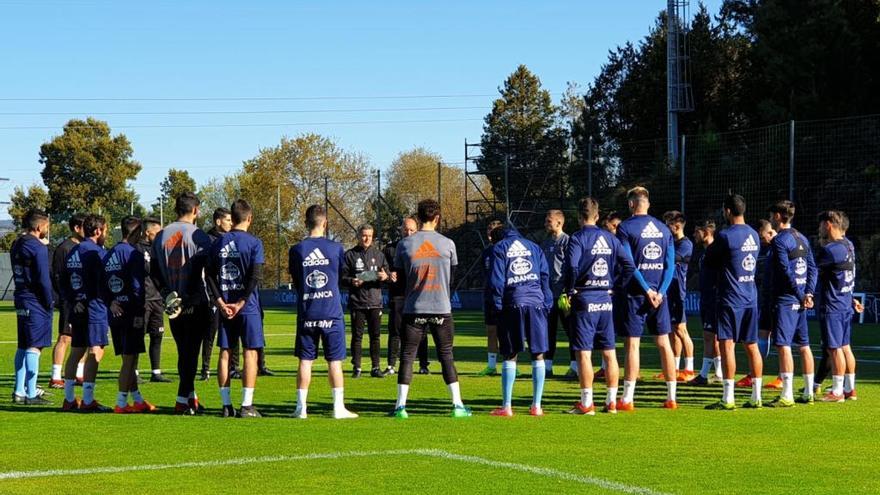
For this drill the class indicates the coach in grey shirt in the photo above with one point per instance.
(555, 247)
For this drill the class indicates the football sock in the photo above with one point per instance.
(611, 396)
(677, 362)
(79, 369)
(629, 391)
(402, 392)
(182, 400)
(548, 365)
(56, 371)
(670, 390)
(137, 397)
(508, 376)
(689, 364)
(20, 372)
(837, 384)
(764, 346)
(787, 386)
(727, 396)
(756, 389)
(302, 395)
(157, 372)
(573, 366)
(716, 362)
(849, 382)
(122, 399)
(88, 392)
(32, 369)
(586, 397)
(808, 384)
(601, 367)
(492, 361)
(707, 365)
(539, 373)
(225, 396)
(247, 396)
(338, 402)
(455, 393)
(69, 393)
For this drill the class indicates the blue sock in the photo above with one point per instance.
(19, 372)
(538, 374)
(508, 376)
(764, 346)
(32, 368)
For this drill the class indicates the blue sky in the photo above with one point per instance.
(353, 53)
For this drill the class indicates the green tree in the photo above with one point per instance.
(174, 184)
(217, 192)
(22, 200)
(88, 169)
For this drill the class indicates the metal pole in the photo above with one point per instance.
(278, 235)
(791, 161)
(327, 205)
(682, 151)
(162, 210)
(466, 204)
(590, 167)
(378, 206)
(506, 186)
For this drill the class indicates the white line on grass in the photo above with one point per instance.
(442, 454)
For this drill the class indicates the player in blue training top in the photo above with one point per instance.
(836, 261)
(123, 290)
(704, 235)
(793, 273)
(650, 244)
(520, 287)
(233, 276)
(81, 285)
(681, 339)
(315, 265)
(489, 315)
(33, 305)
(734, 256)
(595, 262)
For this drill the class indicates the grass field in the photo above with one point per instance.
(820, 449)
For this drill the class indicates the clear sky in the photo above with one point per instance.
(343, 66)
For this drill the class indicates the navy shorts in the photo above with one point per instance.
(633, 312)
(592, 324)
(519, 325)
(836, 329)
(709, 315)
(34, 327)
(88, 332)
(676, 308)
(127, 339)
(738, 324)
(247, 328)
(329, 333)
(790, 325)
(765, 316)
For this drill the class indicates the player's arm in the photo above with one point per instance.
(41, 273)
(155, 269)
(211, 275)
(812, 274)
(781, 261)
(137, 274)
(58, 266)
(254, 276)
(669, 272)
(496, 280)
(384, 268)
(571, 265)
(545, 280)
(625, 262)
(293, 264)
(637, 274)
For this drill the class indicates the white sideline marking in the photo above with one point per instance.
(442, 454)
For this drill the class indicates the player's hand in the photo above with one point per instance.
(115, 309)
(235, 307)
(394, 276)
(382, 276)
(654, 298)
(858, 306)
(357, 282)
(808, 301)
(79, 307)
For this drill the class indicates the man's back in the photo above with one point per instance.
(520, 275)
(734, 254)
(179, 253)
(235, 256)
(427, 258)
(314, 265)
(792, 268)
(649, 242)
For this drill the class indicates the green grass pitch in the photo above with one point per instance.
(809, 449)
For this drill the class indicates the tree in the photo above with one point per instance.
(173, 185)
(216, 193)
(23, 200)
(87, 169)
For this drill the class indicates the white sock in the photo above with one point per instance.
(492, 361)
(79, 369)
(137, 397)
(586, 397)
(727, 396)
(716, 361)
(601, 367)
(122, 399)
(338, 402)
(225, 396)
(849, 382)
(182, 400)
(808, 384)
(677, 363)
(56, 371)
(670, 390)
(689, 364)
(611, 396)
(402, 392)
(837, 384)
(787, 386)
(573, 366)
(707, 365)
(756, 389)
(69, 393)
(455, 392)
(247, 396)
(157, 372)
(548, 365)
(629, 391)
(88, 392)
(302, 395)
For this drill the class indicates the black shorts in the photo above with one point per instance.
(127, 338)
(154, 317)
(64, 327)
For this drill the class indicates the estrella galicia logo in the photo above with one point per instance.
(520, 266)
(317, 279)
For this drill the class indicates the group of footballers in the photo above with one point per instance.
(600, 283)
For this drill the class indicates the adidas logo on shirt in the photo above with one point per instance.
(517, 250)
(601, 247)
(74, 261)
(113, 264)
(651, 232)
(229, 251)
(749, 245)
(316, 258)
(426, 250)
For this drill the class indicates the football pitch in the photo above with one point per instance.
(822, 448)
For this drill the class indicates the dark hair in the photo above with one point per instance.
(736, 204)
(76, 220)
(186, 203)
(496, 235)
(314, 215)
(428, 210)
(836, 217)
(132, 229)
(221, 212)
(151, 221)
(33, 218)
(706, 225)
(240, 210)
(588, 208)
(92, 223)
(785, 208)
(763, 224)
(610, 216)
(673, 216)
